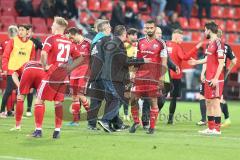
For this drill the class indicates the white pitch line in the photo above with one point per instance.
(14, 158)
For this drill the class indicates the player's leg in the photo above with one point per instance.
(153, 115)
(146, 113)
(29, 103)
(10, 103)
(202, 102)
(217, 114)
(84, 102)
(19, 111)
(75, 107)
(224, 107)
(135, 114)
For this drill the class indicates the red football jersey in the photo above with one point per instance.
(214, 51)
(29, 65)
(82, 71)
(177, 55)
(3, 46)
(155, 50)
(59, 48)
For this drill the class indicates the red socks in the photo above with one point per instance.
(19, 112)
(11, 101)
(153, 116)
(39, 110)
(58, 115)
(211, 125)
(86, 105)
(76, 111)
(135, 114)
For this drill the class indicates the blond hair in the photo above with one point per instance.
(61, 21)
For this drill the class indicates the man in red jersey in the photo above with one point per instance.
(177, 55)
(214, 81)
(79, 77)
(31, 74)
(148, 75)
(54, 57)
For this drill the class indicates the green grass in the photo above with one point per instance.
(180, 141)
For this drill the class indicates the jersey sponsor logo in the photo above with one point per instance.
(155, 46)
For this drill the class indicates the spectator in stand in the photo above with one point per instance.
(66, 9)
(117, 14)
(186, 8)
(171, 7)
(173, 24)
(131, 19)
(204, 4)
(47, 8)
(24, 7)
(158, 7)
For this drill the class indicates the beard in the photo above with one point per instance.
(150, 34)
(208, 36)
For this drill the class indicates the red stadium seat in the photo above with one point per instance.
(203, 22)
(36, 4)
(237, 10)
(184, 23)
(23, 20)
(235, 2)
(71, 23)
(231, 26)
(195, 11)
(215, 1)
(133, 5)
(196, 36)
(93, 17)
(145, 17)
(195, 24)
(94, 5)
(81, 4)
(6, 21)
(217, 11)
(106, 5)
(8, 8)
(39, 25)
(233, 38)
(229, 13)
(84, 17)
(221, 24)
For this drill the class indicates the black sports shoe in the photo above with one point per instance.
(56, 134)
(150, 131)
(170, 122)
(134, 127)
(122, 128)
(10, 113)
(37, 134)
(146, 127)
(93, 128)
(105, 126)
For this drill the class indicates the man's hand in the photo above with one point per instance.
(213, 82)
(192, 62)
(178, 71)
(147, 60)
(199, 44)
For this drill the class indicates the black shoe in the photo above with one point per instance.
(37, 134)
(56, 134)
(150, 131)
(93, 128)
(134, 127)
(170, 122)
(122, 128)
(105, 126)
(146, 127)
(10, 114)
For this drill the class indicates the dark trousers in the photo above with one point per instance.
(207, 7)
(10, 87)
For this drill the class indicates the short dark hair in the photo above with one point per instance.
(100, 26)
(212, 26)
(151, 22)
(73, 30)
(132, 31)
(119, 30)
(26, 26)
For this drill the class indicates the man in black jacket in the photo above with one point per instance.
(114, 74)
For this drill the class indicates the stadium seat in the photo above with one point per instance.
(36, 4)
(81, 4)
(195, 24)
(84, 17)
(23, 20)
(39, 25)
(236, 2)
(237, 10)
(195, 11)
(8, 8)
(6, 21)
(93, 17)
(215, 1)
(196, 36)
(71, 23)
(106, 5)
(233, 38)
(133, 5)
(184, 23)
(217, 11)
(231, 26)
(203, 22)
(94, 5)
(145, 17)
(221, 24)
(229, 13)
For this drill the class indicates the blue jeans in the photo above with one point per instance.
(113, 100)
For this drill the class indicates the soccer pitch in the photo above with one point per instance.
(178, 141)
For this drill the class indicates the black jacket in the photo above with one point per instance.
(110, 61)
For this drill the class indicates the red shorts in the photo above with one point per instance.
(216, 92)
(146, 91)
(51, 91)
(79, 86)
(31, 78)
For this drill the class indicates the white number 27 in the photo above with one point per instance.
(63, 48)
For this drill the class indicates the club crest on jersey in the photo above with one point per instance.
(155, 46)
